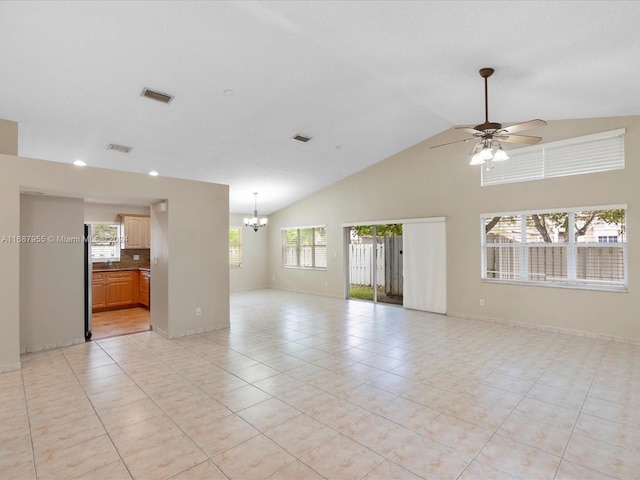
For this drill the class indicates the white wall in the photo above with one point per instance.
(51, 272)
(109, 213)
(254, 273)
(422, 182)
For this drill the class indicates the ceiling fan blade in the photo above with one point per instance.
(518, 139)
(475, 148)
(518, 127)
(451, 143)
(472, 131)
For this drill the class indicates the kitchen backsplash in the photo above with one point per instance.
(127, 261)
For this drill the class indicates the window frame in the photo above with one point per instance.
(314, 248)
(571, 254)
(116, 243)
(237, 264)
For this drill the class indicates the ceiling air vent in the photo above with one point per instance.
(119, 148)
(155, 95)
(301, 138)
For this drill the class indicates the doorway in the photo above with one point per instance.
(375, 263)
(117, 271)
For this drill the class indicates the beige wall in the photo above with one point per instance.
(51, 272)
(8, 137)
(423, 182)
(254, 273)
(195, 232)
(109, 213)
(10, 261)
(159, 280)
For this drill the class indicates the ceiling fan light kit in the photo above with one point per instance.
(488, 148)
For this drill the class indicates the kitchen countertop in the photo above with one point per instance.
(118, 269)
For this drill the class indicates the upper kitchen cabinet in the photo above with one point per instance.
(137, 231)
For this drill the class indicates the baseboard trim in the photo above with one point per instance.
(546, 328)
(51, 346)
(10, 367)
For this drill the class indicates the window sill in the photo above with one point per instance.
(321, 269)
(576, 286)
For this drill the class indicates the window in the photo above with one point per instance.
(592, 153)
(304, 247)
(105, 243)
(235, 247)
(607, 239)
(557, 247)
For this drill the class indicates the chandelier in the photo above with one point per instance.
(254, 222)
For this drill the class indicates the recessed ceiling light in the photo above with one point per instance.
(79, 163)
(155, 95)
(119, 148)
(301, 138)
(229, 93)
(153, 173)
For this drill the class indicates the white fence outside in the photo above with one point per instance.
(388, 264)
(360, 261)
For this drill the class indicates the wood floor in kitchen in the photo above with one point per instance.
(119, 322)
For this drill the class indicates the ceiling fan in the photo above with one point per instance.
(489, 134)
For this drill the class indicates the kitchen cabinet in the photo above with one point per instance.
(137, 231)
(99, 290)
(144, 288)
(117, 289)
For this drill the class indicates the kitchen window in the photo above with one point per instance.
(557, 247)
(235, 247)
(105, 242)
(305, 247)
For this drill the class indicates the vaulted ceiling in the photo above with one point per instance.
(363, 79)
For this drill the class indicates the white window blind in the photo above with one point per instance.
(235, 247)
(588, 154)
(304, 247)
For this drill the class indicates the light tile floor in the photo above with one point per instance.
(305, 387)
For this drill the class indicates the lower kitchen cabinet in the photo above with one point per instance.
(120, 288)
(144, 288)
(113, 290)
(99, 290)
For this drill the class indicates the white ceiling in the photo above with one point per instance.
(365, 79)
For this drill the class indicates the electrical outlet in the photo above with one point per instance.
(136, 257)
(482, 302)
(274, 278)
(198, 312)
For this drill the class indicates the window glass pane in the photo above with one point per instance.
(547, 227)
(600, 264)
(547, 263)
(592, 225)
(505, 229)
(290, 247)
(235, 247)
(503, 262)
(105, 243)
